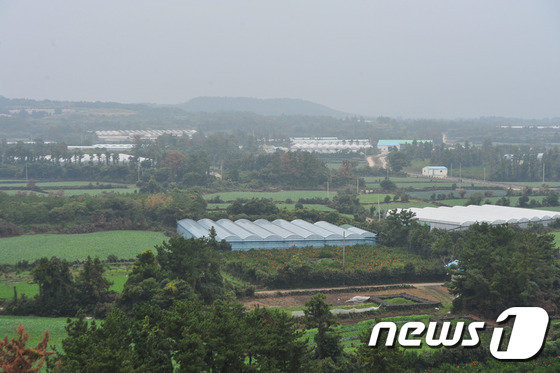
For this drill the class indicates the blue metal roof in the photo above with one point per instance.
(276, 229)
(258, 230)
(244, 234)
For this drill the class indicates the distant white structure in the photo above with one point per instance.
(328, 144)
(384, 146)
(102, 146)
(435, 171)
(271, 149)
(461, 217)
(128, 135)
(120, 158)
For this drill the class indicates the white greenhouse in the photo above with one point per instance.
(460, 217)
(244, 234)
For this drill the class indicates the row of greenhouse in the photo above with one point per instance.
(244, 234)
(461, 217)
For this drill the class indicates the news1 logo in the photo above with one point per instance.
(527, 335)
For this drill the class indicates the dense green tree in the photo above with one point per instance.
(91, 286)
(347, 202)
(118, 344)
(274, 341)
(195, 261)
(318, 315)
(397, 160)
(144, 281)
(380, 358)
(253, 207)
(57, 293)
(388, 185)
(500, 267)
(551, 199)
(225, 337)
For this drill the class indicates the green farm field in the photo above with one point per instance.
(294, 195)
(350, 333)
(35, 327)
(53, 186)
(123, 244)
(536, 184)
(402, 205)
(556, 238)
(291, 206)
(20, 183)
(372, 198)
(79, 192)
(22, 288)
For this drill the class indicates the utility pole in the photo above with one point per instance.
(26, 172)
(357, 188)
(451, 169)
(543, 172)
(484, 173)
(343, 250)
(328, 184)
(378, 208)
(460, 172)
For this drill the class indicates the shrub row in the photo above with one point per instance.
(304, 276)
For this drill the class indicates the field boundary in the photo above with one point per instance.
(333, 290)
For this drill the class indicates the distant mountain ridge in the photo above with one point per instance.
(269, 106)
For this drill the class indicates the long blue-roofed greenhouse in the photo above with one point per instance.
(244, 234)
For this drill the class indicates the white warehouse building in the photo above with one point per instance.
(435, 171)
(328, 145)
(461, 217)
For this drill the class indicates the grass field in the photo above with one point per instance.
(398, 300)
(536, 184)
(118, 281)
(79, 192)
(123, 244)
(294, 195)
(556, 238)
(307, 206)
(350, 333)
(117, 274)
(23, 288)
(291, 206)
(372, 198)
(402, 205)
(54, 186)
(550, 208)
(35, 327)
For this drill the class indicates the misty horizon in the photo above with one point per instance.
(433, 59)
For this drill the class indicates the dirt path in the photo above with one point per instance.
(377, 161)
(318, 290)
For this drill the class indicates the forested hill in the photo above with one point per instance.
(272, 106)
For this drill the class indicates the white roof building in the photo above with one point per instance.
(461, 217)
(128, 135)
(328, 144)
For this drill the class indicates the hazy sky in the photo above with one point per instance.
(396, 58)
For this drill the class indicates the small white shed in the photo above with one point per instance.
(435, 171)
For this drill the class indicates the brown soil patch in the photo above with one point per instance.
(431, 292)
